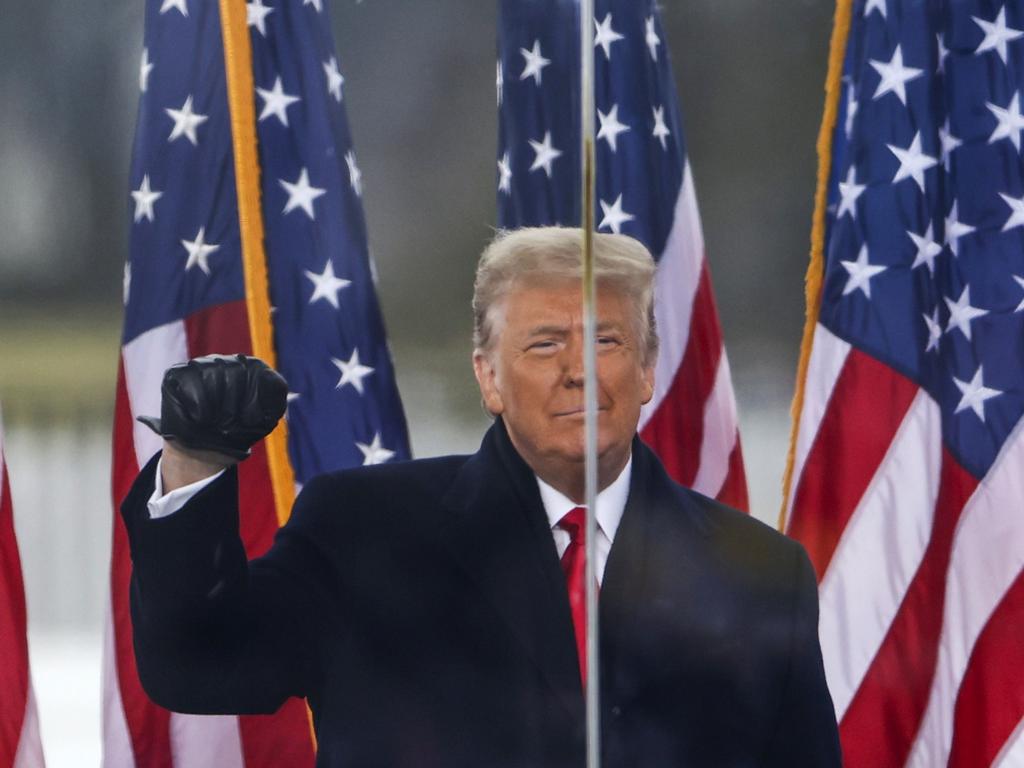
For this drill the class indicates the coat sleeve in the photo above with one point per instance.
(806, 732)
(213, 632)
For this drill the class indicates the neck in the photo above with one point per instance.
(570, 481)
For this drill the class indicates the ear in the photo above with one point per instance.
(486, 377)
(647, 386)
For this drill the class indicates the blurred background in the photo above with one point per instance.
(419, 88)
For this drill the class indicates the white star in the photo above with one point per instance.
(851, 110)
(1020, 282)
(997, 34)
(949, 143)
(614, 216)
(1016, 218)
(352, 372)
(961, 313)
(651, 38)
(604, 35)
(861, 273)
(849, 191)
(126, 282)
(955, 229)
(934, 330)
(256, 15)
(535, 63)
(334, 78)
(974, 394)
(894, 76)
(198, 251)
(315, 3)
(144, 198)
(504, 174)
(276, 102)
(355, 176)
(943, 53)
(661, 131)
(145, 67)
(913, 162)
(301, 194)
(927, 249)
(326, 285)
(179, 5)
(874, 5)
(185, 122)
(374, 453)
(546, 154)
(610, 126)
(1011, 122)
(499, 83)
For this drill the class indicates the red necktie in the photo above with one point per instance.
(574, 565)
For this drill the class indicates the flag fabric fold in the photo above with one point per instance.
(20, 745)
(644, 188)
(247, 235)
(905, 479)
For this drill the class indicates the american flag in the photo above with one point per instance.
(644, 189)
(247, 233)
(20, 746)
(908, 466)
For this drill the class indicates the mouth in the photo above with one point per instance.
(578, 412)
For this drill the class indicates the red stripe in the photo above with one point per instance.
(734, 489)
(13, 644)
(283, 738)
(990, 703)
(864, 413)
(148, 724)
(676, 429)
(882, 720)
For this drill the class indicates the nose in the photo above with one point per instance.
(572, 364)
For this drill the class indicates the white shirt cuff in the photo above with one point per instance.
(162, 505)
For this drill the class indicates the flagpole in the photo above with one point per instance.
(587, 163)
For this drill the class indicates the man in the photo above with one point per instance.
(421, 607)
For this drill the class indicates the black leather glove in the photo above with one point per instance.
(221, 403)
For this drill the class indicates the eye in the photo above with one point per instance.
(544, 345)
(606, 341)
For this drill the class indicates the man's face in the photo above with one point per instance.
(533, 378)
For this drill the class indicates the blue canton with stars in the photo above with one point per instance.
(344, 408)
(639, 142)
(925, 240)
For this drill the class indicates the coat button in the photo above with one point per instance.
(616, 711)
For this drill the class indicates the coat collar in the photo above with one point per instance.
(496, 528)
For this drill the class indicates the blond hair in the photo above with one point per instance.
(537, 254)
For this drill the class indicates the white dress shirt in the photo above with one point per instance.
(611, 503)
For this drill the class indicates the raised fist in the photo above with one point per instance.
(219, 403)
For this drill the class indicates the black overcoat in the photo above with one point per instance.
(421, 609)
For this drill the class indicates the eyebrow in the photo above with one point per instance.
(561, 330)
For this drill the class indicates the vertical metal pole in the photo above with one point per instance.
(587, 164)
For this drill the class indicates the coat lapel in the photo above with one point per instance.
(497, 530)
(658, 527)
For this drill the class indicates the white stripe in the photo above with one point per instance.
(988, 554)
(828, 355)
(117, 743)
(206, 741)
(30, 746)
(1012, 753)
(879, 551)
(720, 426)
(146, 357)
(675, 286)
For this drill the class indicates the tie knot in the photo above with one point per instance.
(574, 523)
